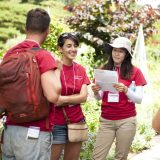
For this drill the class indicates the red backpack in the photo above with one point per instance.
(21, 92)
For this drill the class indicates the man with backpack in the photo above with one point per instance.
(28, 72)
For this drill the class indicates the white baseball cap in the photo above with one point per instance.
(121, 42)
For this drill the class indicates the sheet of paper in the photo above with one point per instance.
(106, 79)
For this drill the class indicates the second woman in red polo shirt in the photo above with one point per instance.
(74, 92)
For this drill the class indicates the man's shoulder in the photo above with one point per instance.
(11, 50)
(45, 60)
(24, 45)
(43, 52)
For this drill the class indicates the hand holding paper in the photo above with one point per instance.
(106, 79)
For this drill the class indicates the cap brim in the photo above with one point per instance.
(108, 48)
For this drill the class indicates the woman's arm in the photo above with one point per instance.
(97, 91)
(75, 98)
(99, 95)
(135, 96)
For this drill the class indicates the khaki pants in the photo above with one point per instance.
(122, 130)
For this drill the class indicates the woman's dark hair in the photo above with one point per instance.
(69, 35)
(126, 68)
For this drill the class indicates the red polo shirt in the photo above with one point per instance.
(124, 108)
(46, 62)
(72, 79)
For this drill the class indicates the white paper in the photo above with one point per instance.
(106, 79)
(33, 132)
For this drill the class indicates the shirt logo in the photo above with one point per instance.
(78, 77)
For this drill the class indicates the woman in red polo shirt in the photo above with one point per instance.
(118, 113)
(74, 82)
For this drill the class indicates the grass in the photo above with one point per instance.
(13, 16)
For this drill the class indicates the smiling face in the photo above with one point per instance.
(68, 50)
(118, 55)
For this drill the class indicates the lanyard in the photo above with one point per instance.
(65, 82)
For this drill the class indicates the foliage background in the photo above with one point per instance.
(104, 20)
(12, 19)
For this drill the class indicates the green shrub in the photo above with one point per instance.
(12, 19)
(51, 41)
(102, 21)
(91, 110)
